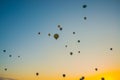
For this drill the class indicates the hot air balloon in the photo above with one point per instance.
(37, 74)
(65, 45)
(71, 53)
(58, 26)
(84, 6)
(10, 55)
(64, 75)
(38, 33)
(102, 78)
(78, 41)
(56, 36)
(5, 69)
(111, 49)
(83, 77)
(78, 51)
(49, 34)
(4, 50)
(85, 18)
(18, 56)
(73, 32)
(96, 69)
(60, 29)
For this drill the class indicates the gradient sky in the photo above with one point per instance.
(21, 20)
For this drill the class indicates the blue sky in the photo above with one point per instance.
(21, 20)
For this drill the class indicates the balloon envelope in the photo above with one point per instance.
(56, 36)
(84, 6)
(102, 78)
(64, 75)
(58, 26)
(4, 50)
(71, 53)
(111, 49)
(10, 55)
(39, 33)
(37, 74)
(5, 69)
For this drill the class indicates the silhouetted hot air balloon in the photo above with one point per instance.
(37, 74)
(83, 77)
(78, 51)
(65, 45)
(78, 41)
(85, 18)
(56, 36)
(96, 69)
(49, 34)
(38, 33)
(64, 75)
(5, 69)
(60, 29)
(18, 56)
(58, 26)
(73, 32)
(111, 49)
(10, 55)
(71, 53)
(102, 78)
(4, 50)
(84, 6)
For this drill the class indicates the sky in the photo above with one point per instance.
(21, 20)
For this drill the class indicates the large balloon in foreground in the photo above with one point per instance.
(56, 36)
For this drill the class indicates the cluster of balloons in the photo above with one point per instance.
(9, 56)
(56, 35)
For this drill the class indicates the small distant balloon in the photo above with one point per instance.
(111, 49)
(10, 55)
(78, 41)
(56, 36)
(37, 74)
(65, 45)
(4, 50)
(5, 69)
(78, 51)
(58, 26)
(96, 69)
(84, 6)
(85, 18)
(38, 33)
(64, 75)
(73, 32)
(49, 34)
(71, 53)
(102, 78)
(61, 29)
(83, 77)
(18, 56)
